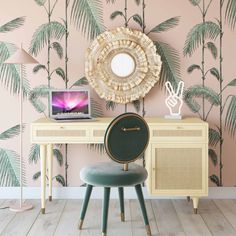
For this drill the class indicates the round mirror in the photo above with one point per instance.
(122, 65)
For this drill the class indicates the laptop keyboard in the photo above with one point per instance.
(73, 118)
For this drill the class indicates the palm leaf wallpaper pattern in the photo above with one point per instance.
(204, 35)
(53, 39)
(10, 79)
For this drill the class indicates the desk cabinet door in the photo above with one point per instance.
(179, 169)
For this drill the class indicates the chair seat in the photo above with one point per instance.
(111, 174)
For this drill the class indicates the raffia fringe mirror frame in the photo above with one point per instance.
(122, 65)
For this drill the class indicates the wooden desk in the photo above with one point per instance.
(177, 155)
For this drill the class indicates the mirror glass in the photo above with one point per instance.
(122, 65)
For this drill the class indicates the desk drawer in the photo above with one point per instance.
(179, 133)
(98, 134)
(61, 134)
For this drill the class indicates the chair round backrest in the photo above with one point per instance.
(126, 138)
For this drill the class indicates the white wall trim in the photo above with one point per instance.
(78, 193)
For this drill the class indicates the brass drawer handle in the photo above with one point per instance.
(130, 129)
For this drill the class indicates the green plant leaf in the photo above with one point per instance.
(113, 1)
(6, 49)
(12, 25)
(9, 168)
(87, 16)
(195, 2)
(58, 155)
(58, 48)
(230, 13)
(214, 137)
(96, 109)
(137, 105)
(40, 2)
(38, 105)
(9, 73)
(170, 70)
(207, 30)
(138, 19)
(60, 72)
(166, 25)
(36, 175)
(232, 83)
(34, 154)
(115, 14)
(193, 67)
(35, 96)
(80, 82)
(11, 132)
(40, 91)
(213, 156)
(197, 91)
(60, 179)
(214, 71)
(39, 67)
(52, 30)
(215, 179)
(230, 120)
(26, 84)
(111, 105)
(97, 147)
(213, 49)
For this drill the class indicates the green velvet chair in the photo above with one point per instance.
(125, 141)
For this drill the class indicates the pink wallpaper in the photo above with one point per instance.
(156, 12)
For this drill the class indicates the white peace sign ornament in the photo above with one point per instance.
(174, 101)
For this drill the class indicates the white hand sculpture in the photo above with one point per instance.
(174, 101)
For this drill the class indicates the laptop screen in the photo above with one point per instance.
(70, 103)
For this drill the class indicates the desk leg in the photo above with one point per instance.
(50, 167)
(43, 176)
(195, 204)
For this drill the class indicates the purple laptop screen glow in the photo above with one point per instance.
(72, 102)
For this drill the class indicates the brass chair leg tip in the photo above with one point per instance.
(81, 224)
(195, 210)
(50, 198)
(122, 217)
(43, 210)
(148, 229)
(104, 234)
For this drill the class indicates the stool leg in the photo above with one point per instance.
(105, 210)
(88, 192)
(139, 192)
(122, 207)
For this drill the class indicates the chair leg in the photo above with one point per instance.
(139, 192)
(105, 210)
(122, 207)
(88, 192)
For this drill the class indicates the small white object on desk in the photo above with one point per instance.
(174, 100)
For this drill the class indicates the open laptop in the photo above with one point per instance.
(69, 105)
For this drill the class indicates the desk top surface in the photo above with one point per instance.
(106, 120)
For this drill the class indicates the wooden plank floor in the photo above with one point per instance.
(167, 217)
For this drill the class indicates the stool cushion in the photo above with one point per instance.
(110, 174)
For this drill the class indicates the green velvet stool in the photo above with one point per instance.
(126, 139)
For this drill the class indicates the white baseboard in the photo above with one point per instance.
(78, 193)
